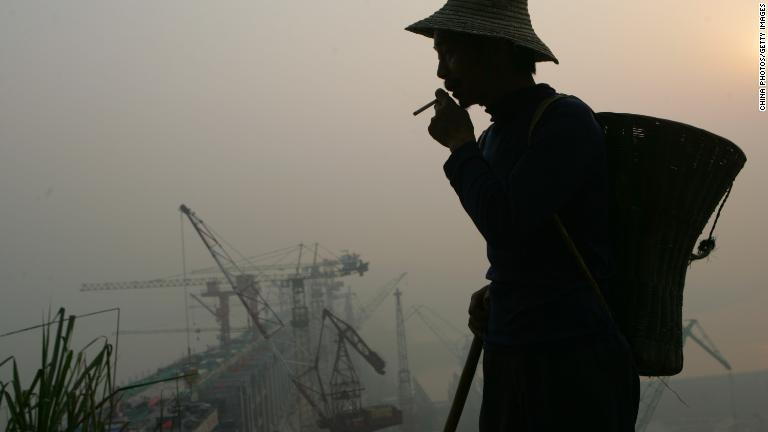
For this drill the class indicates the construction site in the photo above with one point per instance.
(299, 362)
(345, 177)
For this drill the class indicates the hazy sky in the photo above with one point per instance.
(288, 121)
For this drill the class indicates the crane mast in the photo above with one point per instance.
(405, 392)
(301, 337)
(345, 387)
(221, 313)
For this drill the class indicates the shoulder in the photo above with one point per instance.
(569, 115)
(569, 107)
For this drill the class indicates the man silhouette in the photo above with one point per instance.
(554, 360)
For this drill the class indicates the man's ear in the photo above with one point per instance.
(498, 51)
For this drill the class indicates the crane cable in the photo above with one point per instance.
(186, 288)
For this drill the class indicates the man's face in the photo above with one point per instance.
(461, 66)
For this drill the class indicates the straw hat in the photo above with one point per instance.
(506, 19)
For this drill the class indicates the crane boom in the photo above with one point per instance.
(382, 294)
(348, 333)
(453, 345)
(343, 265)
(325, 269)
(304, 391)
(260, 311)
(147, 284)
(206, 307)
(456, 345)
(649, 401)
(705, 343)
(655, 389)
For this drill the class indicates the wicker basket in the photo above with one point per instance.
(668, 177)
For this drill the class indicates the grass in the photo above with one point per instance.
(72, 391)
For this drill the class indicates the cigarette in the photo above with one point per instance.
(422, 109)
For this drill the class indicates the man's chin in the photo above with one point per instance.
(462, 101)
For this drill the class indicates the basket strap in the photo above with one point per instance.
(559, 223)
(481, 140)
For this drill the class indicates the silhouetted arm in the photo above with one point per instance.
(566, 142)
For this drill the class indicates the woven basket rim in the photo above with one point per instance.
(674, 123)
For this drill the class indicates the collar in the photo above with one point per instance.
(514, 103)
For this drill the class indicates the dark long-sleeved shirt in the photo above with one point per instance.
(511, 191)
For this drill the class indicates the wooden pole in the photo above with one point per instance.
(465, 382)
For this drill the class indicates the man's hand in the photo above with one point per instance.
(478, 311)
(451, 125)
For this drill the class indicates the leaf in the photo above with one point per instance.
(68, 392)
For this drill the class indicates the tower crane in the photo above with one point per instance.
(651, 395)
(359, 315)
(382, 293)
(340, 408)
(290, 276)
(281, 274)
(405, 390)
(344, 265)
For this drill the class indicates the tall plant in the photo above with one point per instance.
(72, 390)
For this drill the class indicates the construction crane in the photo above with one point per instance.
(359, 315)
(651, 395)
(262, 315)
(281, 274)
(244, 285)
(340, 408)
(405, 390)
(382, 294)
(268, 322)
(221, 313)
(344, 265)
(287, 276)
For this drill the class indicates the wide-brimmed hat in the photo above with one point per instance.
(506, 19)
